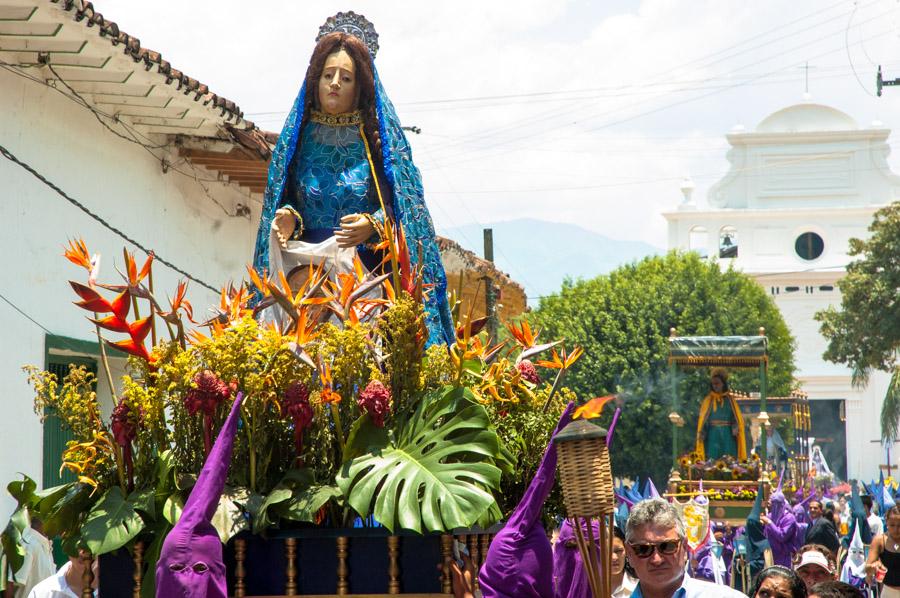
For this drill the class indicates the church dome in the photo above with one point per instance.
(805, 118)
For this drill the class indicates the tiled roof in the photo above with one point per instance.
(119, 77)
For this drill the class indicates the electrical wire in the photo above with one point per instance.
(643, 180)
(18, 309)
(468, 156)
(621, 88)
(847, 47)
(553, 114)
(475, 219)
(99, 115)
(15, 160)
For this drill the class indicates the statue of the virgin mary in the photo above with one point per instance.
(342, 170)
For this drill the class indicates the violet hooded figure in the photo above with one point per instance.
(569, 576)
(781, 530)
(190, 564)
(715, 556)
(519, 562)
(802, 517)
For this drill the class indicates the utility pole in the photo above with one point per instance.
(490, 293)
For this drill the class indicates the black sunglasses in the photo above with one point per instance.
(645, 551)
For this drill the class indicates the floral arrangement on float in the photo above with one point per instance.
(726, 468)
(346, 416)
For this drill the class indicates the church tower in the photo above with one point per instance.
(800, 186)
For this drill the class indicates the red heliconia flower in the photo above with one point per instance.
(528, 371)
(295, 404)
(208, 392)
(375, 399)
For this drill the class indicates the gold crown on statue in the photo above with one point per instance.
(353, 24)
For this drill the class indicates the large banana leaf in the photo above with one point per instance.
(437, 474)
(11, 538)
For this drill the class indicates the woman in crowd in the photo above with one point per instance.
(778, 582)
(884, 556)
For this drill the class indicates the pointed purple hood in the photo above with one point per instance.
(190, 564)
(519, 562)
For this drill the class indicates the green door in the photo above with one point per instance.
(56, 436)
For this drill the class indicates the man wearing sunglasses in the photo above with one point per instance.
(656, 548)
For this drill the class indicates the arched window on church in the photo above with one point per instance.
(728, 242)
(698, 240)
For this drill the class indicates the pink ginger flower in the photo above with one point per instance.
(124, 423)
(375, 399)
(295, 404)
(207, 393)
(528, 371)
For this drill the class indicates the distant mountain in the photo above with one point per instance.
(540, 254)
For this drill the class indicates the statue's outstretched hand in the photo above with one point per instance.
(355, 230)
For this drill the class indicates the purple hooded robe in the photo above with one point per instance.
(782, 531)
(190, 564)
(519, 562)
(570, 579)
(705, 556)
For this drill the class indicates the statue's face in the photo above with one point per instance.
(337, 85)
(717, 384)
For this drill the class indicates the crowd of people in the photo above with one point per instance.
(651, 559)
(788, 547)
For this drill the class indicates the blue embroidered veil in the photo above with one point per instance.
(407, 204)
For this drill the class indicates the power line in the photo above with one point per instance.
(99, 115)
(847, 46)
(621, 88)
(463, 203)
(644, 181)
(468, 156)
(12, 158)
(18, 309)
(554, 113)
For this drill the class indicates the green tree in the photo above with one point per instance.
(623, 320)
(865, 332)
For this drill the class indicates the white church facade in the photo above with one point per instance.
(800, 186)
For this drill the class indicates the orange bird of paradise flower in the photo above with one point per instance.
(562, 361)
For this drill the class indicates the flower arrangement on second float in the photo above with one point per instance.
(343, 405)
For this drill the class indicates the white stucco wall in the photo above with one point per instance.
(124, 184)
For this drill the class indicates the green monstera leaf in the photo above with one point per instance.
(437, 474)
(112, 523)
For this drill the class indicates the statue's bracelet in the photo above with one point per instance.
(298, 227)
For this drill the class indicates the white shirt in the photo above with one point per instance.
(876, 525)
(55, 587)
(627, 587)
(38, 564)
